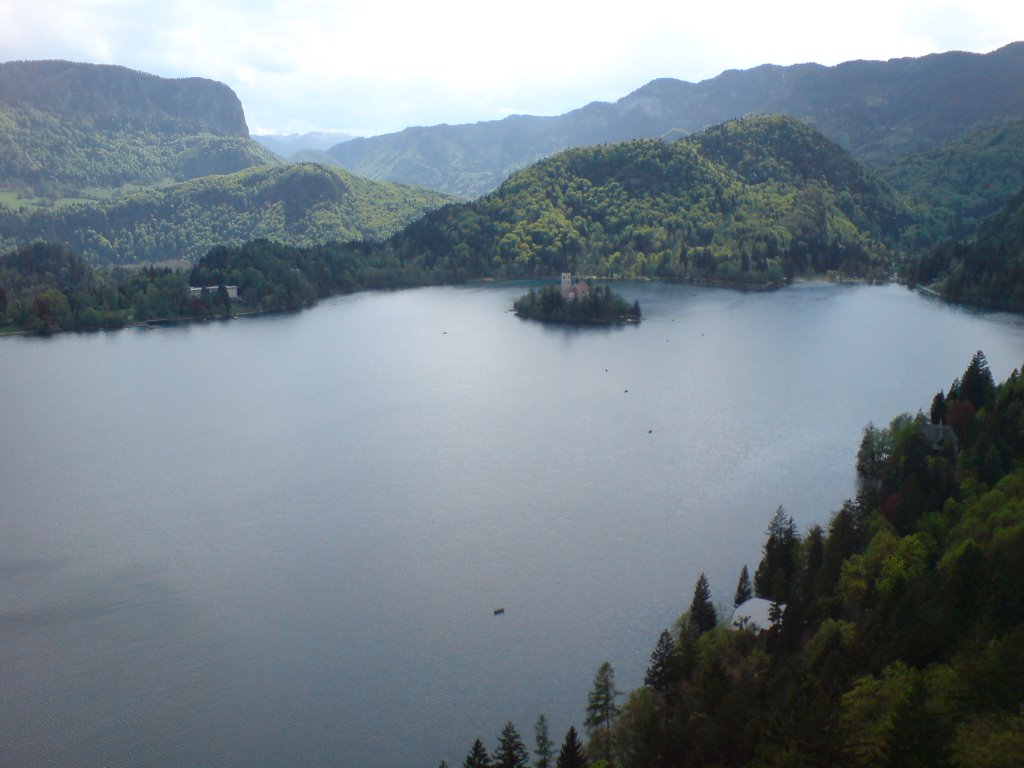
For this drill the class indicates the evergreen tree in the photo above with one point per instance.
(545, 747)
(774, 577)
(937, 414)
(661, 670)
(477, 757)
(702, 612)
(571, 754)
(602, 711)
(976, 384)
(743, 589)
(511, 752)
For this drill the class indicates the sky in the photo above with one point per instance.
(367, 67)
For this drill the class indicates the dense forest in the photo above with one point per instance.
(751, 202)
(951, 189)
(987, 270)
(47, 288)
(897, 630)
(300, 204)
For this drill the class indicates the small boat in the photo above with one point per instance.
(499, 611)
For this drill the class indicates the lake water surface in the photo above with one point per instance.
(280, 540)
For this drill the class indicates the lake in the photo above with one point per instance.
(281, 540)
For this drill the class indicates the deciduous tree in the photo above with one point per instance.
(545, 750)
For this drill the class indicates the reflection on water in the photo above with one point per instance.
(281, 540)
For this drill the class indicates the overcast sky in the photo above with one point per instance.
(374, 66)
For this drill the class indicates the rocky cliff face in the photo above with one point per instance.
(116, 98)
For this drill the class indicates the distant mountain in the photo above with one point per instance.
(67, 127)
(879, 111)
(287, 145)
(752, 201)
(295, 204)
(952, 188)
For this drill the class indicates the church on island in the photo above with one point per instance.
(573, 289)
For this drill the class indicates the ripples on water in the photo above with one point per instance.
(281, 540)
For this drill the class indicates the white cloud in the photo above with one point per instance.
(382, 65)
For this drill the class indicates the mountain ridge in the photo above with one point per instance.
(108, 93)
(69, 128)
(877, 110)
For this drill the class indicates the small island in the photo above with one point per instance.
(574, 301)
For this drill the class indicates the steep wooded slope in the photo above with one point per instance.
(67, 127)
(298, 204)
(749, 202)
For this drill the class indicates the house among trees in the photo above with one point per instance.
(198, 291)
(938, 434)
(572, 288)
(756, 614)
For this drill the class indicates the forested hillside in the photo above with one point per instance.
(753, 202)
(878, 110)
(47, 288)
(952, 188)
(68, 129)
(896, 634)
(299, 204)
(987, 270)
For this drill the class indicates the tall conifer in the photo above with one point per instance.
(602, 711)
(477, 757)
(702, 612)
(571, 754)
(743, 589)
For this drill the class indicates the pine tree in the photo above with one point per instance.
(511, 752)
(545, 747)
(778, 566)
(702, 612)
(602, 711)
(977, 384)
(477, 757)
(937, 413)
(743, 589)
(661, 671)
(571, 755)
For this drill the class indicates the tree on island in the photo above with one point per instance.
(598, 305)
